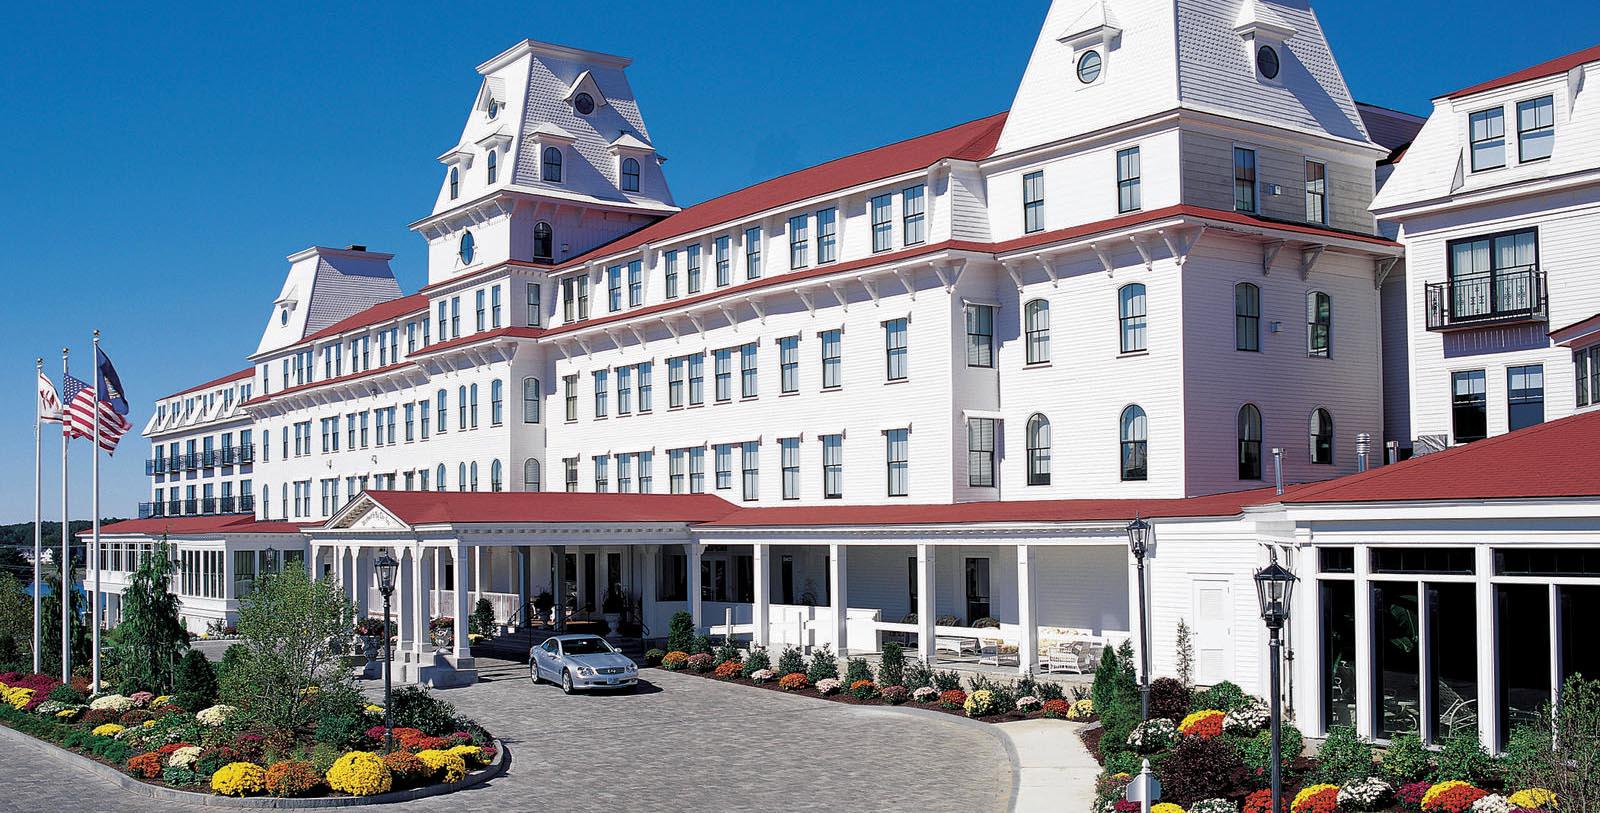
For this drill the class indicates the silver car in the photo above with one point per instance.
(581, 662)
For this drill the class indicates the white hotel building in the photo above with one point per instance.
(914, 392)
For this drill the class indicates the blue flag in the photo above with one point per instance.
(110, 384)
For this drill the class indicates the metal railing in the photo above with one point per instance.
(1513, 294)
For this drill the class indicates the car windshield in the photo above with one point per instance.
(585, 646)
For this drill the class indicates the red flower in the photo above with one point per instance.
(1261, 802)
(1057, 708)
(952, 698)
(147, 765)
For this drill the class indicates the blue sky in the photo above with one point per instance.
(161, 163)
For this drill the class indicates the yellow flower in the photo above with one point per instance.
(239, 779)
(374, 708)
(107, 730)
(1433, 792)
(1197, 718)
(360, 773)
(471, 754)
(449, 767)
(149, 723)
(1535, 799)
(1308, 792)
(1165, 807)
(67, 713)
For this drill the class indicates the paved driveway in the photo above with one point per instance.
(683, 744)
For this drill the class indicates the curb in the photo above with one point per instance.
(502, 761)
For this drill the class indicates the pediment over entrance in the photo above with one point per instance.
(365, 514)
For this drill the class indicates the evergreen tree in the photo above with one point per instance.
(151, 639)
(50, 622)
(196, 685)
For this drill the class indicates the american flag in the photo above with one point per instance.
(79, 421)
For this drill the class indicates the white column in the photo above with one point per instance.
(1366, 705)
(558, 567)
(693, 547)
(477, 575)
(363, 580)
(1027, 617)
(761, 609)
(404, 600)
(436, 587)
(926, 608)
(313, 562)
(419, 600)
(839, 596)
(462, 595)
(1488, 646)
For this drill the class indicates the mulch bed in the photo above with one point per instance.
(844, 696)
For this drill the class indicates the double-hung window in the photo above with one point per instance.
(832, 357)
(1536, 128)
(1487, 134)
(494, 307)
(600, 388)
(624, 390)
(789, 364)
(1469, 406)
(747, 371)
(569, 471)
(832, 467)
(635, 283)
(827, 236)
(697, 379)
(980, 336)
(1246, 317)
(675, 380)
(1524, 396)
(691, 267)
(913, 215)
(980, 452)
(1249, 435)
(882, 223)
(1128, 199)
(1316, 192)
(722, 374)
(455, 327)
(1036, 317)
(1319, 325)
(750, 466)
(614, 287)
(897, 461)
(1586, 373)
(672, 275)
(569, 391)
(1033, 202)
(697, 470)
(1131, 316)
(724, 464)
(799, 241)
(752, 253)
(894, 347)
(789, 463)
(642, 372)
(602, 477)
(724, 249)
(1244, 179)
(676, 470)
(530, 400)
(535, 312)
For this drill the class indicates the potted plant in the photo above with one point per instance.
(611, 608)
(441, 630)
(370, 631)
(542, 604)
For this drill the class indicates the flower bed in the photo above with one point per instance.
(214, 750)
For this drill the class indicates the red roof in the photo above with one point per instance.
(1548, 460)
(1576, 331)
(1539, 71)
(381, 312)
(1123, 510)
(216, 382)
(194, 526)
(428, 507)
(1181, 210)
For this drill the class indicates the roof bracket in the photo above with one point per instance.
(672, 328)
(807, 299)
(637, 334)
(908, 280)
(699, 324)
(871, 288)
(732, 314)
(950, 274)
(839, 297)
(1105, 258)
(1381, 270)
(759, 305)
(587, 351)
(1050, 271)
(1181, 243)
(1269, 252)
(1144, 252)
(1308, 260)
(1016, 277)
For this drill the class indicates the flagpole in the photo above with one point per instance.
(65, 563)
(94, 502)
(38, 507)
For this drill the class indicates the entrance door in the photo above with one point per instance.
(786, 580)
(569, 579)
(1213, 629)
(977, 590)
(613, 572)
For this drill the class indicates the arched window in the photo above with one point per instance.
(1135, 444)
(455, 183)
(496, 402)
(438, 480)
(468, 248)
(1246, 317)
(552, 164)
(1131, 311)
(474, 410)
(1038, 450)
(461, 407)
(530, 400)
(474, 475)
(543, 241)
(496, 483)
(444, 414)
(461, 477)
(266, 501)
(1321, 437)
(492, 165)
(630, 175)
(530, 475)
(1037, 325)
(1319, 324)
(1249, 442)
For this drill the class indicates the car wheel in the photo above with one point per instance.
(566, 682)
(533, 673)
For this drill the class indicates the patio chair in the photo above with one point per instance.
(953, 644)
(1068, 657)
(997, 652)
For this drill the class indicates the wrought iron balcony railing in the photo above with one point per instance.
(1506, 295)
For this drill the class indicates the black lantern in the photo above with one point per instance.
(1139, 545)
(386, 566)
(1138, 537)
(1274, 588)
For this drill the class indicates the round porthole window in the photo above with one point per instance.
(1089, 66)
(468, 248)
(494, 108)
(283, 316)
(1267, 61)
(583, 103)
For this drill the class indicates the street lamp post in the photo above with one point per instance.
(386, 567)
(1274, 587)
(1139, 544)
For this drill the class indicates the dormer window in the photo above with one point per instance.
(1265, 34)
(492, 165)
(1090, 64)
(455, 183)
(543, 241)
(552, 165)
(1267, 62)
(1091, 37)
(583, 103)
(630, 175)
(494, 109)
(283, 316)
(468, 248)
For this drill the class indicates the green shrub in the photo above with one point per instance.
(1527, 753)
(66, 694)
(1257, 751)
(414, 707)
(1049, 690)
(653, 657)
(1224, 696)
(701, 645)
(1117, 719)
(680, 632)
(757, 661)
(945, 680)
(482, 619)
(728, 651)
(1105, 691)
(823, 665)
(1344, 756)
(196, 686)
(856, 669)
(1169, 698)
(232, 657)
(790, 661)
(1406, 759)
(1126, 762)
(916, 675)
(892, 666)
(1462, 757)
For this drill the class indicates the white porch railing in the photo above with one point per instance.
(442, 602)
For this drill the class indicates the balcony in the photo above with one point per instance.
(152, 509)
(191, 461)
(154, 466)
(174, 464)
(1504, 296)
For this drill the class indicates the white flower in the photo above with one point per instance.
(829, 685)
(50, 707)
(1493, 803)
(1214, 806)
(763, 675)
(184, 757)
(215, 715)
(112, 702)
(1151, 736)
(924, 694)
(1028, 702)
(1250, 717)
(1366, 793)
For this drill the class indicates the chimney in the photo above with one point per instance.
(1277, 467)
(1391, 452)
(1363, 449)
(354, 247)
